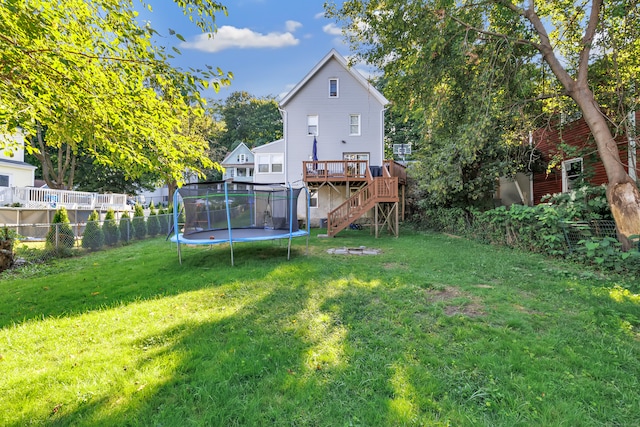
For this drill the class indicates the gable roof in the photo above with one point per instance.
(241, 147)
(268, 146)
(333, 54)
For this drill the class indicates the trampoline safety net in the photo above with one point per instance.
(223, 205)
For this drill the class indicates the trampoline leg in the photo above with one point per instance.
(179, 254)
(289, 250)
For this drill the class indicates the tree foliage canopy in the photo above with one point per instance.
(254, 121)
(90, 73)
(483, 73)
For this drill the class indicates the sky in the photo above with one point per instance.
(268, 45)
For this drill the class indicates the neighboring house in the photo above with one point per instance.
(333, 138)
(239, 164)
(14, 172)
(582, 165)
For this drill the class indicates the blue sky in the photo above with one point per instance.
(268, 45)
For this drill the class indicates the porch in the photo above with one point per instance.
(46, 198)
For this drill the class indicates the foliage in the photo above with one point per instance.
(139, 223)
(125, 229)
(545, 228)
(93, 237)
(254, 121)
(484, 74)
(164, 219)
(153, 222)
(60, 237)
(90, 76)
(110, 228)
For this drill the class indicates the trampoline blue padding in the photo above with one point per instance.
(213, 237)
(227, 212)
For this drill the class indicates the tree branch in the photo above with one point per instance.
(589, 33)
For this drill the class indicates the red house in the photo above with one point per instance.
(573, 148)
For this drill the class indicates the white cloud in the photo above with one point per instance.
(292, 26)
(332, 29)
(319, 15)
(228, 37)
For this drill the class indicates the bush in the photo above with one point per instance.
(165, 221)
(7, 239)
(60, 237)
(93, 236)
(138, 223)
(153, 223)
(126, 233)
(110, 229)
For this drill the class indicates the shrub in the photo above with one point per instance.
(7, 239)
(165, 220)
(138, 223)
(124, 227)
(93, 236)
(60, 237)
(110, 229)
(153, 223)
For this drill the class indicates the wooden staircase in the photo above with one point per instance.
(382, 189)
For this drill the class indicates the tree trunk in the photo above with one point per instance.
(622, 191)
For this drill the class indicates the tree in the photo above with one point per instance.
(110, 228)
(60, 237)
(153, 222)
(254, 121)
(565, 41)
(93, 236)
(125, 229)
(85, 77)
(138, 223)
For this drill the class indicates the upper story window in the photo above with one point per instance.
(333, 88)
(571, 173)
(270, 163)
(4, 180)
(312, 125)
(354, 124)
(242, 158)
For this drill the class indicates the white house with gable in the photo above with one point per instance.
(333, 137)
(14, 172)
(239, 164)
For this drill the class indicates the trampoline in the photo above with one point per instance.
(227, 212)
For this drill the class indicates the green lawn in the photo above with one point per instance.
(435, 330)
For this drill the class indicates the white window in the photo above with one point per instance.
(354, 124)
(270, 163)
(242, 158)
(571, 173)
(313, 198)
(242, 171)
(312, 125)
(4, 180)
(333, 88)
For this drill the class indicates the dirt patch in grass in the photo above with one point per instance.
(450, 294)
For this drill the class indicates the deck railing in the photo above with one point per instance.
(32, 197)
(379, 190)
(336, 170)
(396, 169)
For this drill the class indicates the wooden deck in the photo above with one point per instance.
(337, 171)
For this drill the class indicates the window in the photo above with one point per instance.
(4, 180)
(312, 125)
(242, 172)
(354, 124)
(571, 174)
(360, 162)
(270, 163)
(333, 88)
(242, 158)
(313, 198)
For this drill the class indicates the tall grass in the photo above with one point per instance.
(433, 331)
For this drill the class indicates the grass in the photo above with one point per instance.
(435, 330)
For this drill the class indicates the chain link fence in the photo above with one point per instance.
(37, 243)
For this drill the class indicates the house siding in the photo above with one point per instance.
(578, 135)
(333, 120)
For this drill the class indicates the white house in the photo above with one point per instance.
(333, 137)
(14, 172)
(239, 164)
